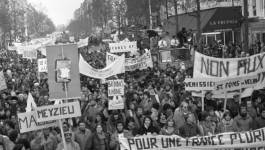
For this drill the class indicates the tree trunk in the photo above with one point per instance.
(245, 27)
(199, 32)
(176, 16)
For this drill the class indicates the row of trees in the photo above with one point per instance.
(21, 21)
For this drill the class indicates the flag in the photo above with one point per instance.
(31, 105)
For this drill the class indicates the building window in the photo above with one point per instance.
(254, 5)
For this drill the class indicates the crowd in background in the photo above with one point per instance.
(155, 103)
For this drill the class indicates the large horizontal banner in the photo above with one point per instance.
(206, 66)
(199, 84)
(122, 47)
(117, 67)
(131, 64)
(251, 139)
(115, 87)
(28, 122)
(59, 111)
(237, 83)
(210, 67)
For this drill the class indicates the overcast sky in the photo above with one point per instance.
(60, 11)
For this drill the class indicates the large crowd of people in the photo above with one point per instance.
(173, 111)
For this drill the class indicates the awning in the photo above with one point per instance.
(214, 19)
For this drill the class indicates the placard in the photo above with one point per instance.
(2, 81)
(59, 111)
(62, 63)
(122, 47)
(115, 103)
(252, 140)
(30, 54)
(42, 65)
(28, 122)
(199, 84)
(115, 87)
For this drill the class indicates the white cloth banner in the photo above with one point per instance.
(252, 139)
(222, 68)
(237, 83)
(122, 47)
(131, 64)
(56, 112)
(82, 42)
(115, 87)
(42, 65)
(28, 122)
(199, 84)
(114, 68)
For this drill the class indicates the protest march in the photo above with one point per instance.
(113, 80)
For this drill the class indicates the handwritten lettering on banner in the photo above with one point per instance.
(206, 66)
(42, 65)
(122, 47)
(231, 84)
(28, 122)
(60, 111)
(249, 139)
(131, 64)
(30, 54)
(199, 84)
(210, 67)
(115, 87)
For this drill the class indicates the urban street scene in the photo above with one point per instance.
(132, 74)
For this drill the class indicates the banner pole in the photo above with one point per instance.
(60, 120)
(202, 100)
(225, 102)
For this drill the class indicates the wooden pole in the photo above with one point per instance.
(225, 102)
(203, 100)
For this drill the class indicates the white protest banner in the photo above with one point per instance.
(237, 83)
(250, 139)
(56, 112)
(42, 65)
(211, 67)
(2, 81)
(199, 84)
(82, 42)
(122, 47)
(110, 58)
(28, 122)
(206, 66)
(115, 87)
(114, 68)
(30, 54)
(131, 64)
(115, 103)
